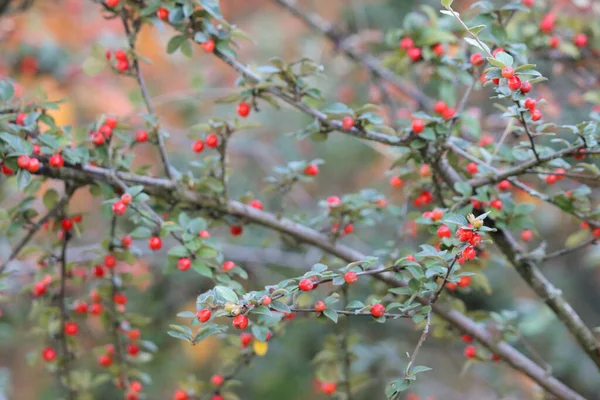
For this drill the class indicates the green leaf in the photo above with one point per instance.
(135, 190)
(418, 369)
(23, 178)
(178, 251)
(92, 66)
(331, 314)
(186, 314)
(212, 7)
(319, 268)
(207, 252)
(280, 306)
(141, 232)
(338, 109)
(481, 46)
(186, 49)
(175, 43)
(50, 198)
(505, 58)
(226, 294)
(447, 3)
(202, 268)
(476, 29)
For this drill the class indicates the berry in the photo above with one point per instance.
(112, 3)
(123, 65)
(377, 310)
(438, 49)
(133, 349)
(141, 136)
(111, 122)
(596, 232)
(497, 204)
(71, 328)
(472, 168)
(126, 241)
(105, 360)
(256, 204)
(66, 224)
(424, 171)
(134, 334)
(498, 50)
(348, 229)
(319, 306)
(311, 169)
(243, 109)
(120, 298)
(470, 352)
(204, 234)
(306, 285)
(126, 198)
(414, 54)
(410, 257)
(240, 322)
(228, 265)
(514, 83)
(333, 201)
(265, 300)
(476, 59)
(547, 23)
(469, 253)
(56, 161)
(464, 281)
(23, 162)
(48, 354)
(162, 13)
(395, 181)
(464, 235)
(525, 87)
(203, 315)
(350, 277)
(449, 113)
(37, 149)
(554, 41)
(504, 185)
(155, 243)
(97, 138)
(216, 380)
(475, 240)
(184, 264)
(443, 231)
(528, 3)
(39, 289)
(136, 386)
(245, 340)
(580, 40)
(347, 123)
(328, 388)
(119, 208)
(440, 107)
(20, 120)
(236, 230)
(530, 104)
(34, 165)
(407, 43)
(437, 214)
(551, 179)
(81, 307)
(527, 235)
(180, 394)
(466, 338)
(121, 55)
(417, 126)
(98, 271)
(508, 72)
(212, 140)
(198, 146)
(208, 46)
(96, 309)
(536, 115)
(110, 261)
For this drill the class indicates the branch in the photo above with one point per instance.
(562, 252)
(366, 60)
(529, 135)
(65, 370)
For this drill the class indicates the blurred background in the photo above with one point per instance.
(45, 48)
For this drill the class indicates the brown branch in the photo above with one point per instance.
(528, 132)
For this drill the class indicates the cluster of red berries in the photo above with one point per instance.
(119, 207)
(435, 215)
(442, 108)
(104, 132)
(121, 58)
(424, 198)
(415, 53)
(211, 141)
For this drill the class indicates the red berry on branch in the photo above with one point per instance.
(449, 113)
(466, 338)
(547, 23)
(180, 394)
(464, 235)
(497, 204)
(395, 181)
(105, 360)
(328, 388)
(48, 354)
(134, 334)
(208, 46)
(243, 109)
(443, 231)
(20, 120)
(212, 140)
(240, 322)
(112, 3)
(119, 208)
(472, 168)
(121, 55)
(527, 235)
(477, 59)
(256, 204)
(580, 40)
(554, 41)
(528, 3)
(203, 315)
(111, 122)
(71, 328)
(440, 107)
(236, 230)
(414, 54)
(596, 232)
(141, 136)
(184, 264)
(551, 179)
(469, 253)
(34, 165)
(155, 243)
(39, 288)
(464, 281)
(66, 224)
(110, 261)
(319, 306)
(407, 43)
(530, 104)
(350, 277)
(56, 161)
(228, 265)
(265, 300)
(525, 87)
(333, 201)
(347, 123)
(536, 115)
(123, 65)
(418, 126)
(245, 340)
(508, 72)
(198, 146)
(216, 380)
(81, 307)
(98, 271)
(204, 234)
(348, 229)
(120, 298)
(438, 49)
(136, 386)
(470, 352)
(126, 241)
(126, 198)
(377, 310)
(306, 285)
(424, 171)
(311, 169)
(514, 83)
(504, 185)
(162, 13)
(23, 162)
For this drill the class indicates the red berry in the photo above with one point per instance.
(464, 235)
(81, 307)
(236, 230)
(133, 349)
(112, 3)
(551, 179)
(496, 81)
(123, 65)
(23, 162)
(536, 115)
(126, 241)
(216, 380)
(466, 338)
(108, 54)
(350, 277)
(547, 23)
(449, 113)
(407, 43)
(437, 214)
(377, 310)
(514, 83)
(121, 55)
(97, 138)
(120, 298)
(134, 334)
(245, 340)
(504, 185)
(184, 264)
(39, 289)
(497, 204)
(472, 168)
(560, 173)
(496, 51)
(155, 243)
(528, 3)
(475, 240)
(265, 300)
(580, 40)
(204, 234)
(319, 306)
(443, 231)
(464, 281)
(105, 360)
(136, 386)
(410, 257)
(424, 171)
(48, 354)
(208, 46)
(34, 165)
(418, 126)
(126, 198)
(311, 169)
(527, 235)
(67, 224)
(530, 104)
(228, 265)
(476, 59)
(212, 140)
(37, 149)
(256, 204)
(333, 201)
(162, 13)
(440, 107)
(203, 315)
(395, 181)
(508, 72)
(110, 261)
(469, 253)
(554, 42)
(525, 87)
(111, 122)
(71, 328)
(20, 120)
(216, 397)
(596, 232)
(347, 123)
(328, 388)
(198, 146)
(470, 351)
(348, 229)
(306, 285)
(243, 109)
(240, 322)
(98, 271)
(56, 161)
(119, 208)
(414, 54)
(141, 136)
(438, 49)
